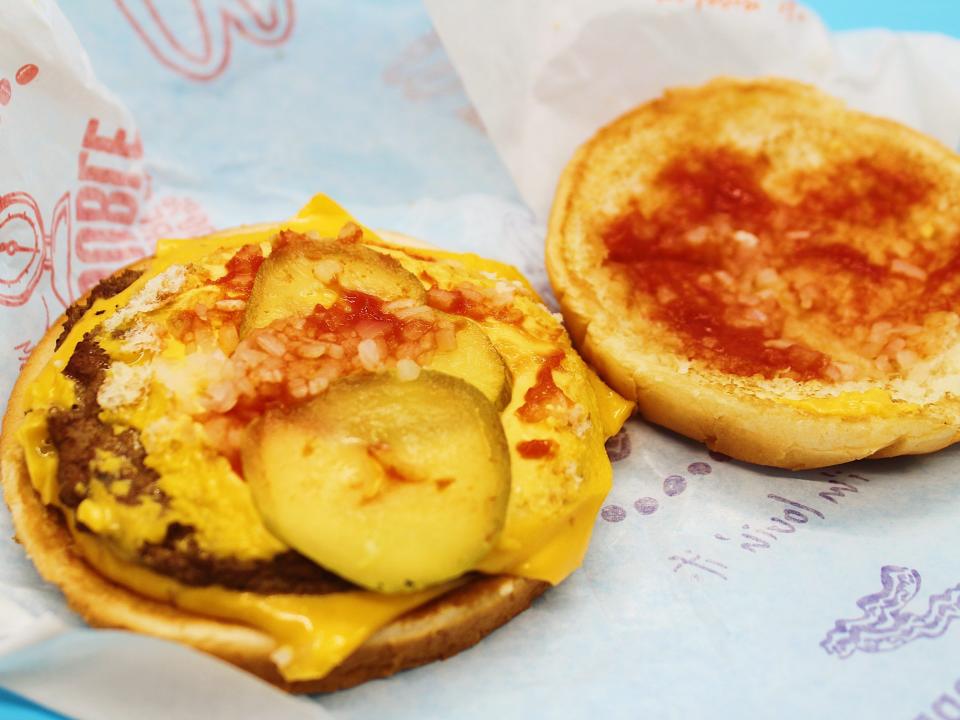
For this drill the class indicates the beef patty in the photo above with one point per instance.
(77, 432)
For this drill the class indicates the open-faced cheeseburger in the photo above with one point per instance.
(318, 455)
(768, 271)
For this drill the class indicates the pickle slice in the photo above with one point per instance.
(477, 361)
(299, 275)
(394, 485)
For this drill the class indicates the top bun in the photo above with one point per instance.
(768, 271)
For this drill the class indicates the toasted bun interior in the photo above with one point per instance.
(767, 271)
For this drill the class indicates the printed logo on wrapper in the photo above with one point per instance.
(28, 249)
(792, 512)
(619, 448)
(173, 217)
(886, 624)
(113, 225)
(50, 257)
(37, 252)
(266, 24)
(68, 251)
(108, 203)
(423, 72)
(24, 76)
(945, 707)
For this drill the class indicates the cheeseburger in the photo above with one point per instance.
(319, 454)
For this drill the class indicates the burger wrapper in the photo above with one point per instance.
(230, 111)
(545, 76)
(112, 674)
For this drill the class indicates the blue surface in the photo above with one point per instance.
(925, 15)
(13, 707)
(920, 15)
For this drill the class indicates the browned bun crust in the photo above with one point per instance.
(435, 631)
(740, 416)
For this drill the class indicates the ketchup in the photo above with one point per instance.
(242, 270)
(695, 259)
(537, 449)
(357, 311)
(544, 393)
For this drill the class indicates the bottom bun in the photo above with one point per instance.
(435, 631)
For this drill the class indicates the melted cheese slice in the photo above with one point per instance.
(313, 634)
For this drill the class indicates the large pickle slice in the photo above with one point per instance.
(392, 485)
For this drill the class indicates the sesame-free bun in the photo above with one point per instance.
(445, 626)
(767, 271)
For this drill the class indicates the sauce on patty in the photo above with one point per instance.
(821, 278)
(537, 449)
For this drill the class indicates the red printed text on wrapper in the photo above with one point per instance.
(108, 204)
(50, 256)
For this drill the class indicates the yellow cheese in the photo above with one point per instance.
(201, 488)
(314, 633)
(107, 462)
(40, 456)
(553, 506)
(612, 408)
(874, 403)
(50, 390)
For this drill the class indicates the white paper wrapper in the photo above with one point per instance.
(107, 675)
(74, 195)
(545, 75)
(73, 207)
